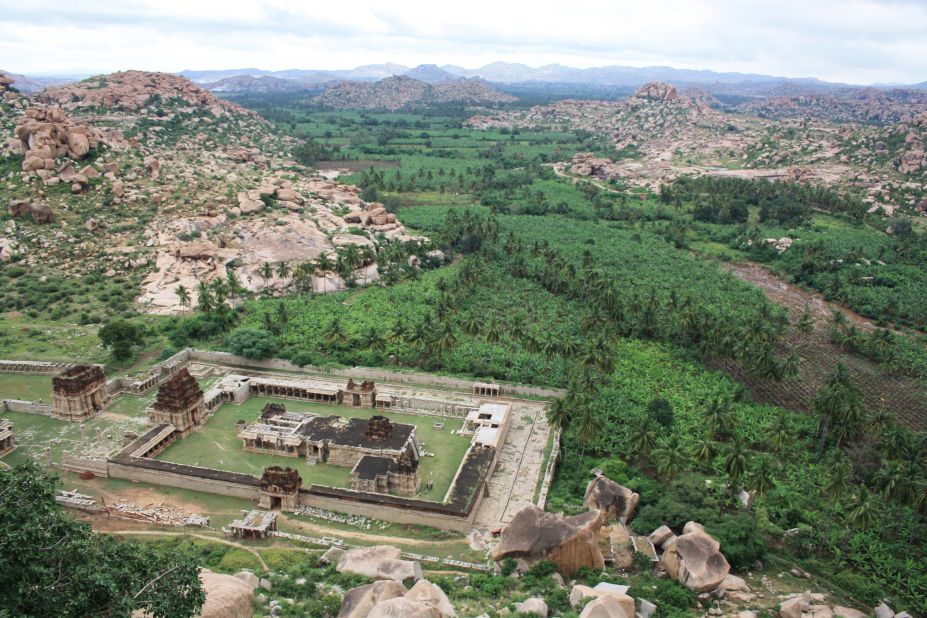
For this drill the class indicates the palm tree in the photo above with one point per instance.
(598, 355)
(670, 457)
(718, 417)
(644, 438)
(558, 415)
(204, 298)
(372, 339)
(863, 508)
(220, 292)
(493, 331)
(323, 264)
(283, 270)
(589, 426)
(704, 451)
(399, 332)
(735, 461)
(762, 476)
(838, 406)
(183, 295)
(266, 271)
(838, 323)
(779, 433)
(234, 287)
(805, 323)
(446, 339)
(334, 334)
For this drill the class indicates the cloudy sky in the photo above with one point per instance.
(856, 41)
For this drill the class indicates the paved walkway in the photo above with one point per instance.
(520, 466)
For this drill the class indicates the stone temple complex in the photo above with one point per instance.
(383, 455)
(180, 402)
(7, 443)
(79, 392)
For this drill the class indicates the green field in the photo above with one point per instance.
(26, 386)
(216, 445)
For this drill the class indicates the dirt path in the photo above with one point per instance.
(363, 537)
(903, 396)
(198, 536)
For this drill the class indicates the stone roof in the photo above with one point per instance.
(78, 379)
(178, 392)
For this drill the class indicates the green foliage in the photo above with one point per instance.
(251, 342)
(121, 337)
(55, 566)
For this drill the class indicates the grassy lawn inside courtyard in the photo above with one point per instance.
(216, 445)
(26, 386)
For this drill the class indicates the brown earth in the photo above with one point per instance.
(905, 397)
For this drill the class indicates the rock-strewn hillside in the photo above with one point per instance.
(659, 134)
(394, 93)
(146, 176)
(845, 105)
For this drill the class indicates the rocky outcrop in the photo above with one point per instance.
(389, 599)
(534, 605)
(45, 134)
(379, 562)
(657, 91)
(614, 500)
(694, 559)
(226, 596)
(570, 542)
(606, 607)
(587, 164)
(399, 92)
(359, 601)
(134, 90)
(580, 593)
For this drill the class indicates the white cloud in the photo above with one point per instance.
(844, 40)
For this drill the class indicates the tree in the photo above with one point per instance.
(589, 426)
(643, 438)
(334, 334)
(558, 414)
(372, 339)
(56, 566)
(204, 299)
(838, 406)
(662, 411)
(283, 270)
(762, 476)
(251, 342)
(735, 461)
(704, 451)
(805, 323)
(670, 457)
(120, 336)
(779, 433)
(266, 271)
(183, 295)
(863, 508)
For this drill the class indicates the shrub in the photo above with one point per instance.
(251, 342)
(741, 543)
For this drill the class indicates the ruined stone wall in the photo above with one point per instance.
(72, 463)
(29, 407)
(396, 514)
(171, 479)
(366, 373)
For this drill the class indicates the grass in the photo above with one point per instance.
(25, 386)
(216, 445)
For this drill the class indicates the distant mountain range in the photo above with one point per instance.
(523, 75)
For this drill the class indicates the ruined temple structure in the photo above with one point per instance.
(363, 395)
(7, 443)
(79, 392)
(383, 455)
(280, 489)
(180, 403)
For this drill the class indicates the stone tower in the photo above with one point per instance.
(180, 402)
(79, 392)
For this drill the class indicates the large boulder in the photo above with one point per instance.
(403, 608)
(379, 562)
(694, 560)
(580, 592)
(534, 605)
(606, 607)
(226, 596)
(359, 601)
(661, 535)
(428, 593)
(606, 495)
(570, 542)
(42, 213)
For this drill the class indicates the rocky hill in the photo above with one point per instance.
(149, 178)
(868, 105)
(400, 92)
(659, 134)
(254, 84)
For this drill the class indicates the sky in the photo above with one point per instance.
(851, 41)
